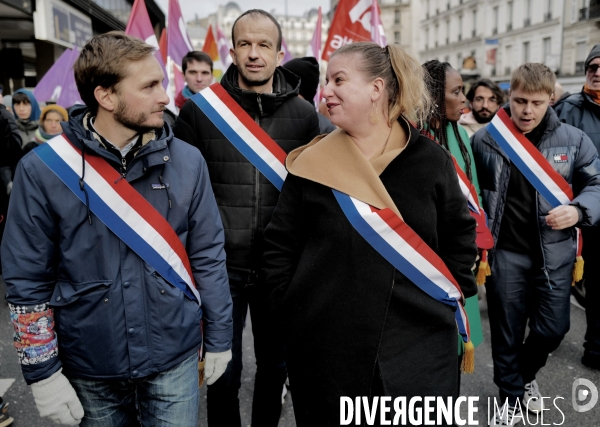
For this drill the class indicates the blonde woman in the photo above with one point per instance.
(356, 321)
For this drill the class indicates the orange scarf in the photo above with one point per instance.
(594, 94)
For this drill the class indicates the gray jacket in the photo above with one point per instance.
(581, 170)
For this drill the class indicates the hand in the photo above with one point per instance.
(562, 217)
(9, 188)
(216, 363)
(56, 399)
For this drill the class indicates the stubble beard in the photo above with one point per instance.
(132, 121)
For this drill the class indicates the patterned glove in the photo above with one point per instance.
(56, 399)
(216, 363)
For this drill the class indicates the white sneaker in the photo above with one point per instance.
(507, 415)
(532, 400)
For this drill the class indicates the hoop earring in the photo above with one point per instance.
(374, 117)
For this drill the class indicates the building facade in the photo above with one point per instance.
(581, 32)
(489, 38)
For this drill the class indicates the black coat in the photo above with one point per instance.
(581, 170)
(246, 199)
(345, 311)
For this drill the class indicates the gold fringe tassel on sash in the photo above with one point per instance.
(468, 362)
(484, 269)
(577, 270)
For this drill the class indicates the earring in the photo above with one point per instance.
(374, 117)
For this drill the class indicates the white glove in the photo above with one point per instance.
(56, 399)
(216, 363)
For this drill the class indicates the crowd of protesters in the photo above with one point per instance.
(135, 240)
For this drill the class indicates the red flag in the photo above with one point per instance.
(162, 45)
(351, 23)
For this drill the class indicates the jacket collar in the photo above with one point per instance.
(335, 161)
(153, 152)
(286, 85)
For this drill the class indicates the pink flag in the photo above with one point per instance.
(287, 56)
(377, 32)
(139, 25)
(314, 48)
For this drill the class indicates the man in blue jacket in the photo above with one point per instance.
(535, 240)
(109, 279)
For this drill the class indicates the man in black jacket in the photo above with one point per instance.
(246, 199)
(535, 249)
(582, 110)
(10, 154)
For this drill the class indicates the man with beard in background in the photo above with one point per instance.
(485, 98)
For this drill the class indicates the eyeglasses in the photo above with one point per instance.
(592, 68)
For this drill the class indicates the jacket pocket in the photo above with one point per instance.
(179, 317)
(84, 326)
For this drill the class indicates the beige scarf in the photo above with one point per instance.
(335, 161)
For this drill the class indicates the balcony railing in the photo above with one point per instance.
(580, 67)
(527, 22)
(548, 17)
(583, 14)
(509, 26)
(494, 31)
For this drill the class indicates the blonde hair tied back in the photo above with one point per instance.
(403, 76)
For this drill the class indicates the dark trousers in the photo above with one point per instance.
(591, 273)
(518, 290)
(271, 372)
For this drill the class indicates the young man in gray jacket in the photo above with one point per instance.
(535, 237)
(113, 255)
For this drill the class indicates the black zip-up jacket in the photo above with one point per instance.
(581, 170)
(246, 198)
(580, 111)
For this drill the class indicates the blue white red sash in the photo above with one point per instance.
(528, 159)
(484, 238)
(123, 210)
(393, 239)
(243, 132)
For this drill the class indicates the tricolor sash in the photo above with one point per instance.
(123, 210)
(393, 239)
(484, 238)
(243, 132)
(536, 168)
(529, 160)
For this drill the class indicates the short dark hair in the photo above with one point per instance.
(20, 98)
(196, 55)
(259, 12)
(102, 62)
(498, 93)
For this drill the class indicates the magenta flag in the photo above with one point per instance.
(377, 32)
(314, 48)
(178, 45)
(224, 46)
(58, 84)
(139, 25)
(287, 56)
(178, 41)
